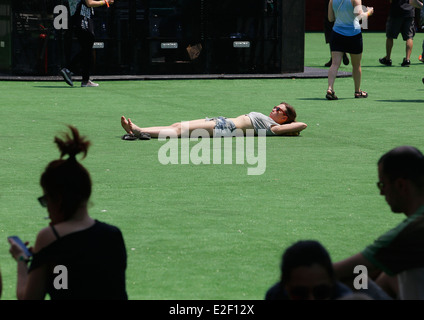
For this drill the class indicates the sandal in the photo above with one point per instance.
(361, 94)
(132, 137)
(331, 95)
(144, 136)
(129, 137)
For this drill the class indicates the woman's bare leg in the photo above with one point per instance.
(132, 128)
(177, 129)
(336, 57)
(356, 70)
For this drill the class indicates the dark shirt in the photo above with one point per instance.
(277, 292)
(95, 260)
(401, 8)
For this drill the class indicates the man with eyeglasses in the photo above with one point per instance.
(281, 121)
(396, 259)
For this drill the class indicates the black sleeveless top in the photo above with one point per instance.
(95, 260)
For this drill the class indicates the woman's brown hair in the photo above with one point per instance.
(291, 112)
(66, 180)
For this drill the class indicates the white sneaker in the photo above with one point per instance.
(89, 83)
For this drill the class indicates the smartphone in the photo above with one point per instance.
(20, 243)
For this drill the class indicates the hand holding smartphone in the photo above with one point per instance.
(21, 244)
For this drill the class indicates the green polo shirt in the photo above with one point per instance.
(401, 248)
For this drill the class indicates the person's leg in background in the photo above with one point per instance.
(336, 58)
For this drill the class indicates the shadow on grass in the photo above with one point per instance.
(319, 98)
(403, 100)
(381, 66)
(53, 87)
(392, 66)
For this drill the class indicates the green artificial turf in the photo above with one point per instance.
(211, 231)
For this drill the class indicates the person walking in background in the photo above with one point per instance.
(346, 37)
(328, 28)
(83, 26)
(92, 252)
(401, 20)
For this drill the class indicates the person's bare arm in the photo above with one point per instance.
(344, 269)
(361, 14)
(331, 16)
(292, 128)
(415, 3)
(31, 286)
(97, 3)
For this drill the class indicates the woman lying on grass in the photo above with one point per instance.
(280, 122)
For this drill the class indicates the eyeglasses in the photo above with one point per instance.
(320, 292)
(43, 201)
(380, 185)
(279, 109)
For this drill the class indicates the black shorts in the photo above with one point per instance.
(396, 25)
(348, 44)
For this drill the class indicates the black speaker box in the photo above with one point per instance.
(242, 36)
(161, 37)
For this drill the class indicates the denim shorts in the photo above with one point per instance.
(223, 127)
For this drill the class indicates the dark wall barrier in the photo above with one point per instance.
(160, 37)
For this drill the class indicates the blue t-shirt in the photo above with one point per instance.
(347, 23)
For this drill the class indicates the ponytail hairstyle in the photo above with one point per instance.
(66, 180)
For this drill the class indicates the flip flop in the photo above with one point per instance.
(131, 136)
(144, 136)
